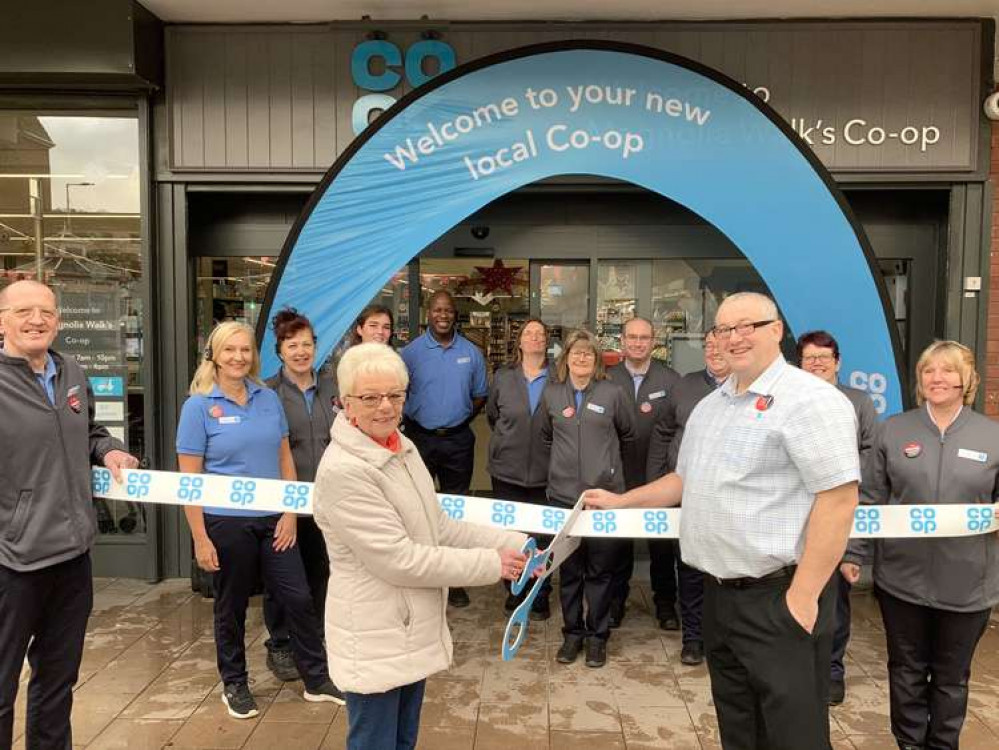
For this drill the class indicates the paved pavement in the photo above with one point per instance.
(149, 680)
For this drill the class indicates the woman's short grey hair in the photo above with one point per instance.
(366, 360)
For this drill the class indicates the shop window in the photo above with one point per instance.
(70, 216)
(491, 297)
(234, 288)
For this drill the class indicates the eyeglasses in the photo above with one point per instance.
(25, 313)
(582, 354)
(743, 329)
(816, 358)
(374, 400)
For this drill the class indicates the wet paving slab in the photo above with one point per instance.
(149, 682)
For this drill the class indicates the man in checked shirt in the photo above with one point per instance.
(768, 471)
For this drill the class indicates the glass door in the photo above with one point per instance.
(560, 296)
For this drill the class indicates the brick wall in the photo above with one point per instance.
(992, 329)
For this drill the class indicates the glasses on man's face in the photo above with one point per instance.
(811, 359)
(723, 333)
(374, 400)
(582, 354)
(47, 314)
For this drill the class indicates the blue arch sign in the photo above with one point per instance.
(631, 113)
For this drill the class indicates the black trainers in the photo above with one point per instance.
(541, 609)
(239, 701)
(596, 652)
(837, 692)
(692, 653)
(458, 598)
(616, 615)
(282, 665)
(325, 693)
(569, 649)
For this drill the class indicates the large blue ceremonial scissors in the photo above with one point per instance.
(551, 557)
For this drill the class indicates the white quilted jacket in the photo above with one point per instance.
(393, 554)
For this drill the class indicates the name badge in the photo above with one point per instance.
(978, 456)
(234, 419)
(596, 407)
(463, 360)
(657, 394)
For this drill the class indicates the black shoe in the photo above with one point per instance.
(282, 665)
(692, 653)
(239, 700)
(325, 693)
(596, 652)
(616, 615)
(669, 622)
(540, 610)
(837, 692)
(458, 598)
(512, 602)
(569, 649)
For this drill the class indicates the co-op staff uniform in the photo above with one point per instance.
(47, 527)
(518, 454)
(935, 594)
(310, 414)
(867, 429)
(648, 394)
(586, 430)
(664, 447)
(444, 381)
(245, 441)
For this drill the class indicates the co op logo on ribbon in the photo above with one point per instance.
(279, 496)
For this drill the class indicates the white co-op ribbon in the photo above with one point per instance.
(279, 496)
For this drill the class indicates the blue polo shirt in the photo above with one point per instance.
(234, 440)
(47, 379)
(535, 388)
(443, 380)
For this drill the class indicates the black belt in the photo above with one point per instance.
(410, 425)
(780, 574)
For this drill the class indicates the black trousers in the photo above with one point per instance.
(449, 458)
(535, 496)
(245, 547)
(841, 635)
(769, 677)
(587, 578)
(664, 586)
(929, 665)
(312, 548)
(48, 608)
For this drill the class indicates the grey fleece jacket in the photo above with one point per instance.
(648, 407)
(517, 453)
(912, 463)
(586, 443)
(46, 501)
(308, 432)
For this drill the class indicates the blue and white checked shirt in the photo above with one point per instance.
(751, 471)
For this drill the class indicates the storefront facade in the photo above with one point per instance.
(167, 192)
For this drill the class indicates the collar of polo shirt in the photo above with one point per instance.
(763, 385)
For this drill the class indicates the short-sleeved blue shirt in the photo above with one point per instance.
(234, 440)
(443, 381)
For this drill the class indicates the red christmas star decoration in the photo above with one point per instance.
(498, 276)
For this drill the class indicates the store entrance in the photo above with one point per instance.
(572, 258)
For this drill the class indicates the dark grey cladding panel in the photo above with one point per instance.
(868, 96)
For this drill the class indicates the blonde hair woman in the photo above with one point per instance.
(393, 554)
(935, 594)
(232, 425)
